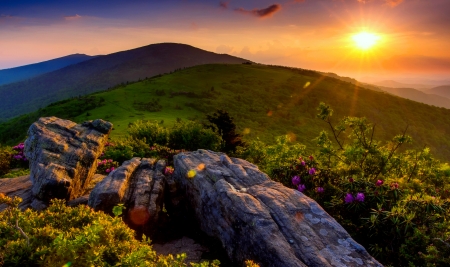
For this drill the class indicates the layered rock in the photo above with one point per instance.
(139, 185)
(256, 218)
(63, 157)
(20, 187)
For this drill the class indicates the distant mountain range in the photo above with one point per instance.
(395, 84)
(29, 71)
(101, 73)
(440, 90)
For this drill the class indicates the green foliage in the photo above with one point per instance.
(5, 159)
(395, 202)
(78, 236)
(226, 128)
(192, 136)
(151, 132)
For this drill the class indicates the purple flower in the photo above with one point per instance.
(303, 163)
(301, 188)
(312, 171)
(379, 183)
(319, 190)
(108, 171)
(296, 180)
(18, 157)
(348, 198)
(360, 197)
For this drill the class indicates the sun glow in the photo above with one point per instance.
(365, 40)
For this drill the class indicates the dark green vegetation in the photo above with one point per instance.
(102, 73)
(62, 236)
(396, 204)
(265, 101)
(32, 70)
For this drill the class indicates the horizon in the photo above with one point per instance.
(407, 41)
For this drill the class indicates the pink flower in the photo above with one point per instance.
(311, 158)
(301, 188)
(394, 185)
(351, 180)
(110, 160)
(108, 171)
(112, 168)
(360, 197)
(319, 190)
(379, 183)
(104, 161)
(312, 171)
(348, 198)
(303, 163)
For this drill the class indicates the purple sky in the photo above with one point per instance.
(414, 35)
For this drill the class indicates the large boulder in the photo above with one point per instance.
(63, 157)
(256, 218)
(20, 187)
(139, 185)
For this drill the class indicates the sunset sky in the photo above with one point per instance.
(412, 36)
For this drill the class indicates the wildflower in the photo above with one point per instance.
(99, 163)
(394, 185)
(311, 158)
(303, 163)
(301, 188)
(168, 170)
(348, 198)
(351, 180)
(108, 171)
(110, 160)
(319, 190)
(112, 168)
(296, 180)
(104, 161)
(379, 183)
(312, 171)
(360, 197)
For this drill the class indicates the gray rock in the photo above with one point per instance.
(259, 219)
(63, 156)
(139, 185)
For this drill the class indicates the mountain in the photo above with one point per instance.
(419, 96)
(32, 70)
(395, 84)
(265, 101)
(440, 90)
(101, 73)
(352, 81)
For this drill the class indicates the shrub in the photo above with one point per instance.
(79, 235)
(150, 132)
(226, 128)
(192, 136)
(5, 159)
(394, 203)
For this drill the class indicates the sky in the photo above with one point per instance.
(412, 36)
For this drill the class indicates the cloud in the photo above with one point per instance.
(224, 4)
(393, 3)
(75, 17)
(262, 13)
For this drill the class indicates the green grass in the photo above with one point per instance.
(265, 101)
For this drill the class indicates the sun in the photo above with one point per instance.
(365, 40)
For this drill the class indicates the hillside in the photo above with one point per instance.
(395, 84)
(426, 97)
(266, 101)
(29, 71)
(440, 90)
(101, 73)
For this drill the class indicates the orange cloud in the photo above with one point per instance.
(393, 3)
(224, 4)
(262, 13)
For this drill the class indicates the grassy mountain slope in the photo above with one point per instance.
(423, 97)
(101, 73)
(29, 71)
(440, 90)
(265, 101)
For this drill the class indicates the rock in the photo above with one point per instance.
(63, 156)
(186, 245)
(259, 219)
(139, 185)
(19, 186)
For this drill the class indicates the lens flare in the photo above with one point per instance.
(365, 40)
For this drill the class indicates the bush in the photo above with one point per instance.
(150, 132)
(61, 235)
(5, 159)
(396, 204)
(192, 136)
